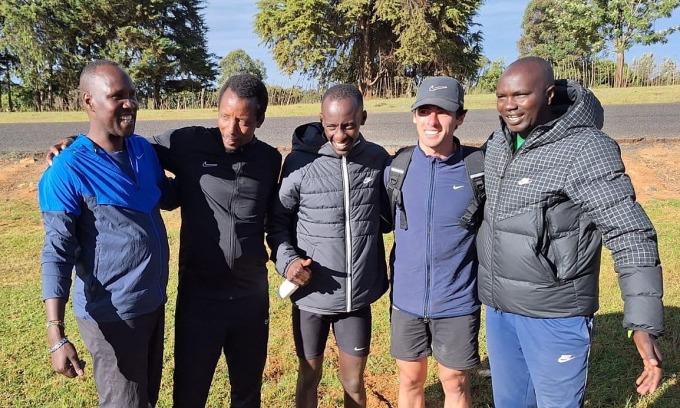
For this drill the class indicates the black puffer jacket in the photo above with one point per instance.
(329, 210)
(548, 208)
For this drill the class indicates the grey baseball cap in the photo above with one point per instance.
(442, 91)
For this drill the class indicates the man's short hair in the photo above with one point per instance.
(92, 67)
(247, 86)
(344, 91)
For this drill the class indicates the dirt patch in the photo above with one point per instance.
(19, 175)
(653, 166)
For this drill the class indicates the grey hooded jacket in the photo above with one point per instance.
(548, 208)
(329, 210)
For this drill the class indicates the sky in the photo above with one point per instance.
(230, 26)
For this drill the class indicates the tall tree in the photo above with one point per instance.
(161, 42)
(623, 23)
(239, 62)
(545, 34)
(361, 41)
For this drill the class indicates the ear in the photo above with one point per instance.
(364, 115)
(550, 94)
(460, 118)
(86, 98)
(321, 117)
(414, 116)
(260, 121)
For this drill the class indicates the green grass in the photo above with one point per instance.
(26, 378)
(608, 96)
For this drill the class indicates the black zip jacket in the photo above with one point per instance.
(225, 198)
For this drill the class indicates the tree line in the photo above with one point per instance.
(384, 46)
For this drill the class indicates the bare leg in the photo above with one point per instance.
(412, 376)
(309, 376)
(456, 388)
(352, 379)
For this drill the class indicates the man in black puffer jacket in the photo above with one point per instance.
(556, 189)
(326, 238)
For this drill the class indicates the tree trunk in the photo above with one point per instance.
(156, 96)
(619, 77)
(366, 58)
(9, 92)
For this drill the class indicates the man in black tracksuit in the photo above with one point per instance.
(226, 179)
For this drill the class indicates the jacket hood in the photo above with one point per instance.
(576, 107)
(310, 138)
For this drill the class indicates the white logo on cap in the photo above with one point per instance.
(436, 88)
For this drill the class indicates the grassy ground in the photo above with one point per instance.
(26, 378)
(608, 96)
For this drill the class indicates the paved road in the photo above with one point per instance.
(657, 121)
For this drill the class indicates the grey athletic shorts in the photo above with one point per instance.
(453, 341)
(352, 332)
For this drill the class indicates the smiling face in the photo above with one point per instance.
(110, 99)
(341, 120)
(435, 128)
(523, 98)
(237, 120)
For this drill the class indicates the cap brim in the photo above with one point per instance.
(442, 103)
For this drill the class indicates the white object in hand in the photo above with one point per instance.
(287, 288)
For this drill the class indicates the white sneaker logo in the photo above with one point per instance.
(359, 348)
(206, 164)
(524, 181)
(436, 88)
(368, 180)
(565, 358)
(457, 187)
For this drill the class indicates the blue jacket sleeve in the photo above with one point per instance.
(60, 205)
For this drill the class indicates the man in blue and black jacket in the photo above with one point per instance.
(100, 207)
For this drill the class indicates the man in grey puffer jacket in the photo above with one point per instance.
(556, 189)
(326, 238)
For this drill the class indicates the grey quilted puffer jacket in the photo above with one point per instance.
(548, 208)
(329, 210)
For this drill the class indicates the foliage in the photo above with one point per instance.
(364, 41)
(622, 24)
(160, 42)
(545, 34)
(239, 62)
(490, 74)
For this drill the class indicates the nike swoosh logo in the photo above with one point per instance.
(524, 181)
(368, 180)
(565, 358)
(206, 164)
(457, 187)
(359, 348)
(140, 156)
(436, 88)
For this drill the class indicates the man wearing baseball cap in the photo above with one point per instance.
(435, 310)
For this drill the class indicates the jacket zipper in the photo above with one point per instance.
(495, 214)
(348, 232)
(232, 237)
(428, 240)
(160, 260)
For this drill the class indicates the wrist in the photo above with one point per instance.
(58, 345)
